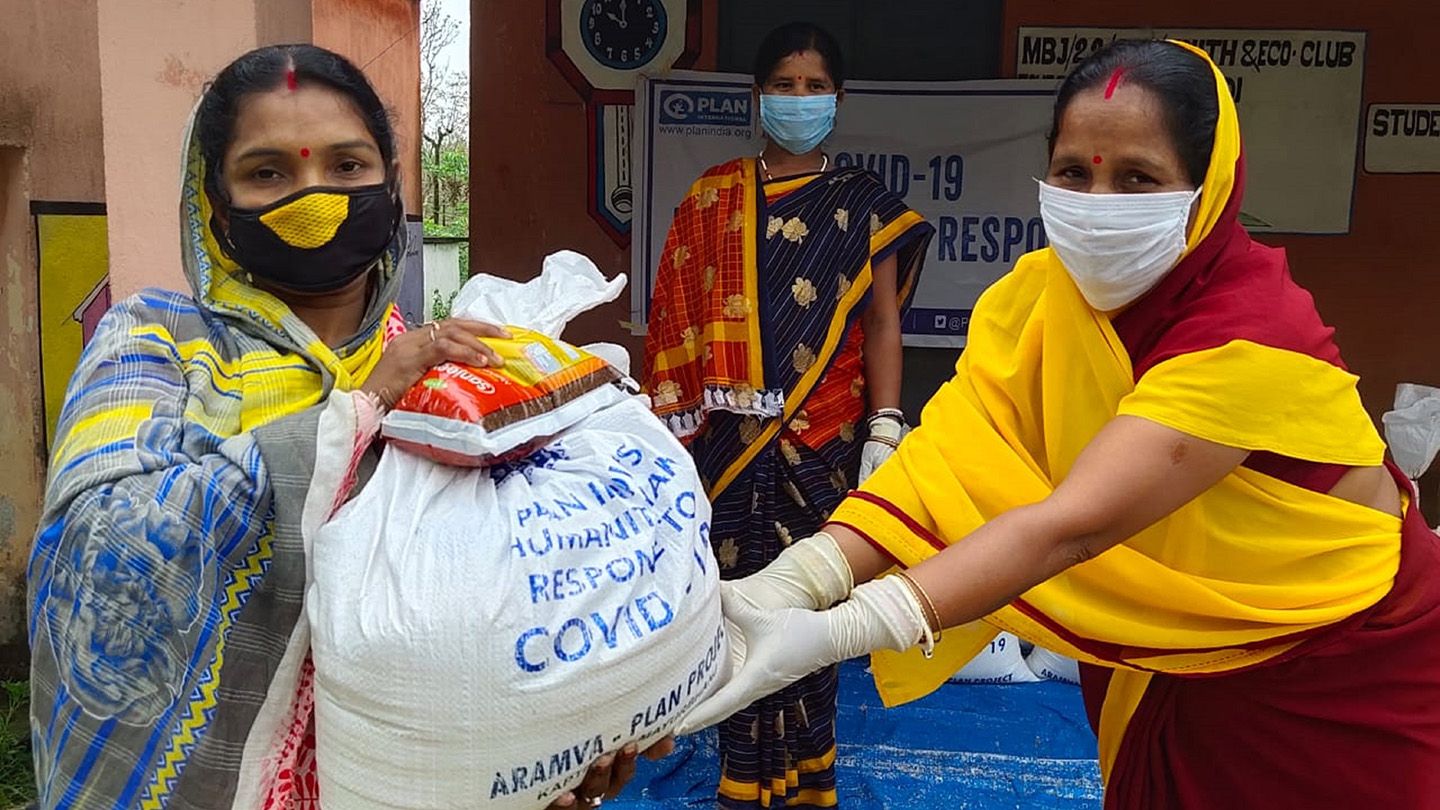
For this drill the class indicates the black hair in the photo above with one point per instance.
(1182, 80)
(265, 69)
(792, 38)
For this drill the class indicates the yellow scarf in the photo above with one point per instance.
(1219, 584)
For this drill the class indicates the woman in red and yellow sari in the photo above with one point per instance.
(1166, 473)
(775, 324)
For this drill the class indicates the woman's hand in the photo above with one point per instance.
(887, 428)
(811, 574)
(609, 775)
(410, 355)
(784, 645)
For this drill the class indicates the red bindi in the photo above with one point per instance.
(290, 81)
(305, 153)
(1114, 82)
(1096, 160)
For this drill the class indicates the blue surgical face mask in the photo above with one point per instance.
(797, 124)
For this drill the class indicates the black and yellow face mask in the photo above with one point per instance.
(316, 240)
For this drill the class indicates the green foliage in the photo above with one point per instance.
(444, 131)
(17, 780)
(446, 178)
(440, 306)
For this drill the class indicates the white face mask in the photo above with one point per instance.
(1116, 247)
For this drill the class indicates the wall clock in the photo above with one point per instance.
(623, 34)
(602, 47)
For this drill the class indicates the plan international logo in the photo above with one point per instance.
(707, 108)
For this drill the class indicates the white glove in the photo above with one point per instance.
(812, 574)
(787, 644)
(886, 431)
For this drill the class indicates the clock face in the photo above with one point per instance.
(623, 34)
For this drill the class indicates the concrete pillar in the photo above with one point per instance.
(22, 442)
(151, 75)
(50, 150)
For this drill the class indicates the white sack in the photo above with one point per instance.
(568, 285)
(1052, 666)
(1412, 429)
(482, 636)
(1001, 662)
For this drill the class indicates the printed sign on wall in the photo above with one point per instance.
(74, 282)
(1402, 139)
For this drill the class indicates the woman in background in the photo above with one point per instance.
(774, 353)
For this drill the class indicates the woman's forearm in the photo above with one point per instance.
(1132, 474)
(866, 561)
(883, 361)
(883, 353)
(995, 564)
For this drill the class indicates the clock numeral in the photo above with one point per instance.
(655, 27)
(597, 39)
(650, 11)
(597, 7)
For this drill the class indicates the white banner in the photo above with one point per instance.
(1298, 93)
(963, 154)
(1403, 139)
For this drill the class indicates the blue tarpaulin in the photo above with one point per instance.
(1020, 746)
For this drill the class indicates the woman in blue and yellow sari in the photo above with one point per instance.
(775, 325)
(170, 662)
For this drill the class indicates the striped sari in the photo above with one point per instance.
(754, 359)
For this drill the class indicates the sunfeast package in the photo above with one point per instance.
(469, 416)
(475, 417)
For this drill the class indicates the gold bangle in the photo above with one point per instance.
(927, 606)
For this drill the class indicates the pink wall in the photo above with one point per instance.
(383, 38)
(49, 95)
(150, 77)
(50, 148)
